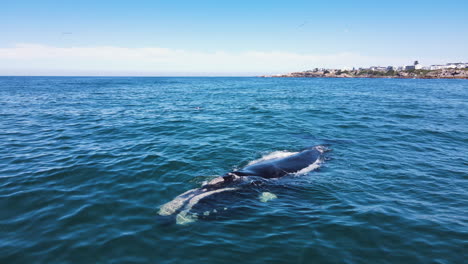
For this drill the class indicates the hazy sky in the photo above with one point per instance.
(225, 38)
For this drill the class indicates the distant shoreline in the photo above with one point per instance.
(389, 74)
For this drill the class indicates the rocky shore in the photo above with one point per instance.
(405, 74)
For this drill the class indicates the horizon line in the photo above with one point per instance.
(143, 76)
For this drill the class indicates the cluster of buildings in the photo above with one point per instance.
(456, 65)
(457, 70)
(417, 66)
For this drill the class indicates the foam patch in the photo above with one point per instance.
(267, 196)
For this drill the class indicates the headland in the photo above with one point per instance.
(415, 71)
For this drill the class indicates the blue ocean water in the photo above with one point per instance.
(86, 163)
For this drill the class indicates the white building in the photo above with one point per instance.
(437, 67)
(415, 66)
(378, 68)
(457, 65)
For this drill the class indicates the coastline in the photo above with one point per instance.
(390, 74)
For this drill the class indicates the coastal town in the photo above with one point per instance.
(457, 70)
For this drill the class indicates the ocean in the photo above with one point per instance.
(87, 162)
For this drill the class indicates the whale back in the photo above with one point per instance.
(279, 167)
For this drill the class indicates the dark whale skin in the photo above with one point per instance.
(279, 167)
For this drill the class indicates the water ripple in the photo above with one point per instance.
(87, 161)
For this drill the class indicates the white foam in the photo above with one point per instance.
(284, 154)
(310, 168)
(273, 155)
(322, 149)
(267, 196)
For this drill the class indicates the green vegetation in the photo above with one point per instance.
(368, 73)
(365, 72)
(422, 72)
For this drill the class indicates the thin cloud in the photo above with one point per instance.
(45, 58)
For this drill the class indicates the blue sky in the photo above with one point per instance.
(225, 38)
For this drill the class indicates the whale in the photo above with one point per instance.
(254, 174)
(279, 167)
